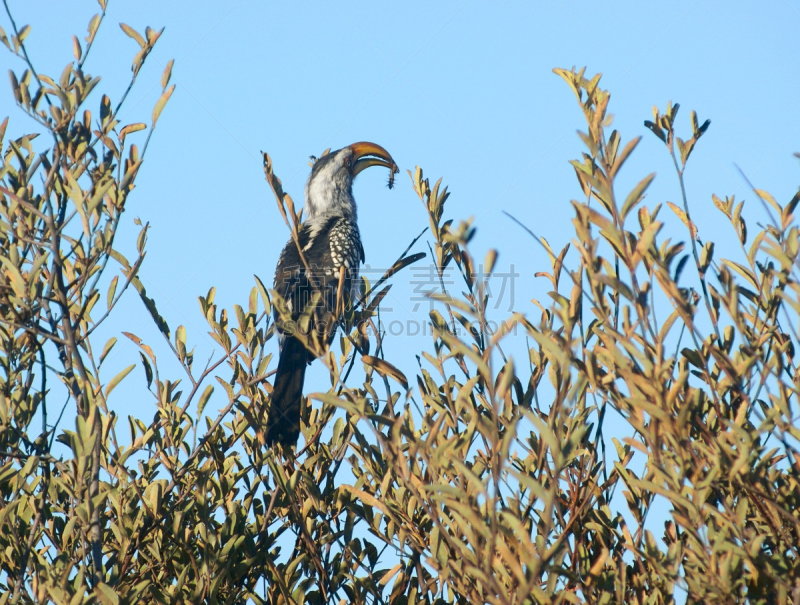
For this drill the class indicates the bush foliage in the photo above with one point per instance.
(480, 480)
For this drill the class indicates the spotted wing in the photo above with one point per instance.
(329, 247)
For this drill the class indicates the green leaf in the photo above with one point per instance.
(786, 215)
(756, 246)
(263, 293)
(656, 130)
(120, 259)
(130, 174)
(201, 405)
(636, 195)
(624, 155)
(694, 357)
(76, 195)
(99, 193)
(150, 304)
(112, 289)
(706, 255)
(106, 595)
(107, 348)
(15, 277)
(376, 300)
(743, 271)
(384, 368)
(148, 370)
(118, 378)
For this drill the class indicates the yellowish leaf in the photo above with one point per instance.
(131, 128)
(118, 378)
(384, 368)
(685, 219)
(161, 103)
(133, 34)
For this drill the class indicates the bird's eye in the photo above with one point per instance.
(347, 162)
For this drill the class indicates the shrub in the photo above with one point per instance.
(499, 489)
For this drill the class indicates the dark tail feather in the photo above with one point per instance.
(283, 423)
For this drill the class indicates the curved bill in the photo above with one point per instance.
(369, 154)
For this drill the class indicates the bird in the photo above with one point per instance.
(317, 285)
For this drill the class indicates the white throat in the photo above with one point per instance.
(328, 190)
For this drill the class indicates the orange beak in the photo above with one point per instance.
(369, 154)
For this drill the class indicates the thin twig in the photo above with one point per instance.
(97, 29)
(775, 223)
(25, 52)
(700, 273)
(391, 271)
(532, 234)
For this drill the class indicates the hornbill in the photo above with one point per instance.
(319, 283)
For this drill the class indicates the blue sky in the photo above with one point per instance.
(463, 89)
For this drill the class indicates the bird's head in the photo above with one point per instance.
(329, 189)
